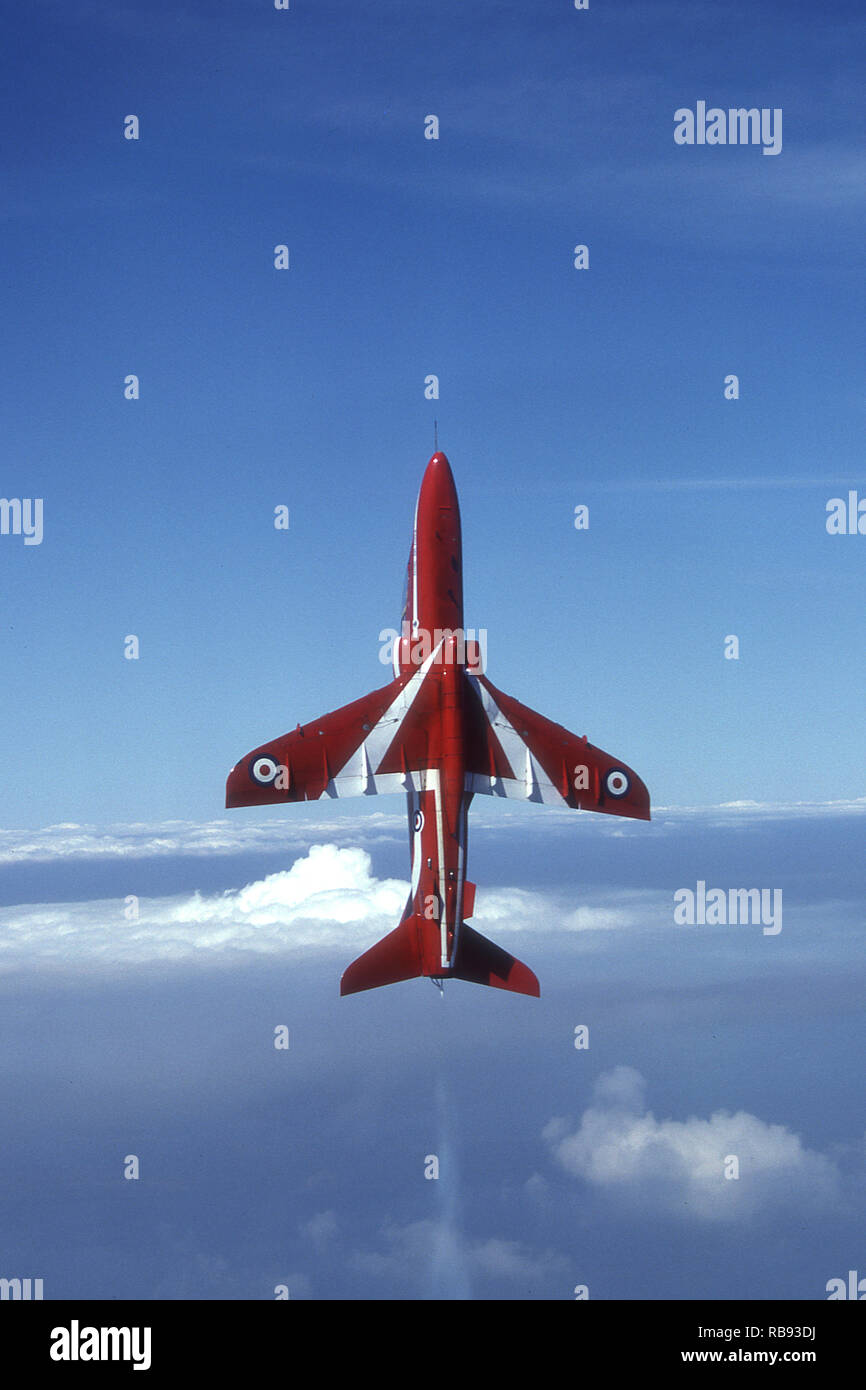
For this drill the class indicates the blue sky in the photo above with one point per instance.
(305, 387)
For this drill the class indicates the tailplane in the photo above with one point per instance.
(483, 963)
(396, 957)
(399, 956)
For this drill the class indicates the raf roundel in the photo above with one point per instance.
(616, 782)
(264, 770)
(418, 821)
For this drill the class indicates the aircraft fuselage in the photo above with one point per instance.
(441, 733)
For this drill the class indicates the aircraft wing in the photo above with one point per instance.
(370, 746)
(515, 752)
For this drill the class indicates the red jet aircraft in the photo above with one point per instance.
(440, 733)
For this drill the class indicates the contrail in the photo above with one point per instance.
(449, 1271)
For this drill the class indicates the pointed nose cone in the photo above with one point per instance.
(439, 463)
(437, 485)
(435, 561)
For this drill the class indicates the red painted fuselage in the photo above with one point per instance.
(432, 630)
(441, 733)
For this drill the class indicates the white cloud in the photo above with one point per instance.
(519, 911)
(678, 1166)
(322, 900)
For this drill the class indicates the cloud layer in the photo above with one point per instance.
(329, 897)
(69, 840)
